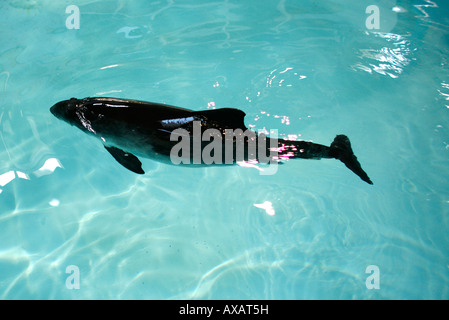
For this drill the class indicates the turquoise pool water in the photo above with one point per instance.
(74, 224)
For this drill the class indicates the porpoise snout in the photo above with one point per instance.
(63, 108)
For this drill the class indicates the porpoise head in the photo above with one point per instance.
(75, 112)
(66, 110)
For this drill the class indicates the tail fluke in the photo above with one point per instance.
(341, 149)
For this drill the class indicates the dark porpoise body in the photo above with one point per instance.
(131, 128)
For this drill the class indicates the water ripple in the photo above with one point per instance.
(391, 59)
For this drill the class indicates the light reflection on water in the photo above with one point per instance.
(388, 60)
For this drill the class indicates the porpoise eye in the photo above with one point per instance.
(92, 115)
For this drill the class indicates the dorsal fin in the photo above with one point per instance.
(230, 117)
